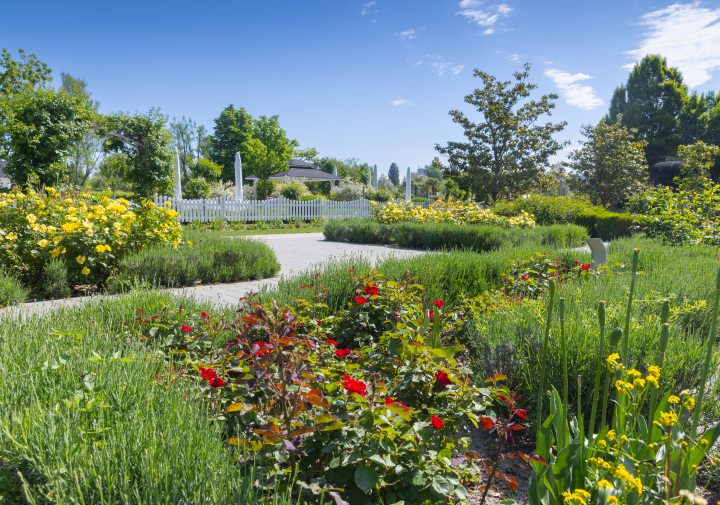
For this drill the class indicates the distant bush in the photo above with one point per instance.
(55, 279)
(381, 195)
(418, 199)
(207, 260)
(309, 198)
(478, 238)
(605, 224)
(197, 188)
(220, 188)
(291, 190)
(348, 192)
(12, 292)
(547, 209)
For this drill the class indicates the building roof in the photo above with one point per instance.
(299, 169)
(664, 172)
(3, 175)
(294, 162)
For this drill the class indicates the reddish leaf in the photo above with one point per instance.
(533, 457)
(300, 431)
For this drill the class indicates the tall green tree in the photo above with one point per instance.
(310, 154)
(86, 153)
(651, 103)
(184, 134)
(233, 128)
(146, 142)
(114, 168)
(39, 128)
(504, 154)
(610, 165)
(394, 174)
(265, 161)
(18, 75)
(697, 161)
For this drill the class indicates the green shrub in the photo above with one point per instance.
(418, 199)
(547, 209)
(293, 191)
(605, 224)
(55, 279)
(381, 195)
(197, 188)
(308, 198)
(12, 292)
(478, 238)
(210, 259)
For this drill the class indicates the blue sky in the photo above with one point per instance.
(368, 79)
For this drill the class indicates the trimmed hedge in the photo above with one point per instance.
(478, 238)
(605, 224)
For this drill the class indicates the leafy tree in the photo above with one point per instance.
(146, 142)
(86, 152)
(310, 154)
(113, 169)
(205, 169)
(203, 142)
(40, 128)
(184, 132)
(693, 118)
(197, 188)
(651, 103)
(18, 76)
(504, 154)
(265, 161)
(697, 160)
(610, 165)
(394, 174)
(233, 128)
(434, 170)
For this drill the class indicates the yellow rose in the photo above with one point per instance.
(85, 271)
(80, 259)
(44, 243)
(57, 252)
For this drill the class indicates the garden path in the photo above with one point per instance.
(295, 252)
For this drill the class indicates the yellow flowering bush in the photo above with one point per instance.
(459, 213)
(89, 234)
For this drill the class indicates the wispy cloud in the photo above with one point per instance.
(574, 93)
(688, 35)
(367, 6)
(444, 67)
(408, 34)
(476, 12)
(514, 57)
(400, 102)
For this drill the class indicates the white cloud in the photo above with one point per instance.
(366, 10)
(457, 69)
(688, 35)
(408, 34)
(400, 102)
(488, 16)
(443, 67)
(418, 62)
(575, 94)
(514, 57)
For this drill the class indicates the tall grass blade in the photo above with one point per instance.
(598, 371)
(548, 325)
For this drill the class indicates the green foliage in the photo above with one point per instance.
(381, 195)
(233, 128)
(207, 169)
(55, 279)
(606, 225)
(394, 174)
(12, 292)
(293, 191)
(546, 209)
(146, 143)
(680, 217)
(197, 188)
(697, 160)
(210, 259)
(41, 126)
(651, 103)
(17, 77)
(504, 155)
(418, 199)
(113, 170)
(184, 133)
(479, 238)
(348, 192)
(610, 166)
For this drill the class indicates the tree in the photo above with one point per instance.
(394, 174)
(205, 169)
(265, 161)
(85, 153)
(651, 103)
(18, 76)
(434, 170)
(184, 132)
(40, 127)
(310, 154)
(610, 164)
(697, 160)
(113, 168)
(503, 155)
(233, 128)
(146, 142)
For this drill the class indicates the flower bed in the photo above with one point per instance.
(88, 234)
(458, 213)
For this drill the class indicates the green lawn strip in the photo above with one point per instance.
(89, 415)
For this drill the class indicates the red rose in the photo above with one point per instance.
(216, 382)
(525, 277)
(353, 386)
(203, 315)
(332, 342)
(388, 401)
(342, 352)
(437, 422)
(360, 300)
(439, 304)
(585, 267)
(207, 373)
(577, 262)
(442, 378)
(371, 290)
(186, 329)
(262, 351)
(397, 314)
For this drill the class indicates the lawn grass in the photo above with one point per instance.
(83, 418)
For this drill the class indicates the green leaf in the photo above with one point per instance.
(366, 478)
(441, 485)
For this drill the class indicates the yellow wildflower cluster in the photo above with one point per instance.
(459, 213)
(577, 497)
(631, 483)
(38, 226)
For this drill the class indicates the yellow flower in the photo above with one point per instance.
(654, 370)
(634, 373)
(610, 435)
(85, 270)
(602, 444)
(623, 387)
(44, 243)
(167, 204)
(57, 252)
(668, 418)
(189, 242)
(57, 239)
(673, 399)
(31, 218)
(80, 259)
(639, 383)
(704, 441)
(89, 233)
(652, 379)
(102, 248)
(624, 439)
(689, 403)
(612, 361)
(612, 499)
(11, 236)
(604, 484)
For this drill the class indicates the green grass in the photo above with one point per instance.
(211, 258)
(445, 236)
(509, 342)
(83, 420)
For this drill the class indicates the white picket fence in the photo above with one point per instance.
(265, 210)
